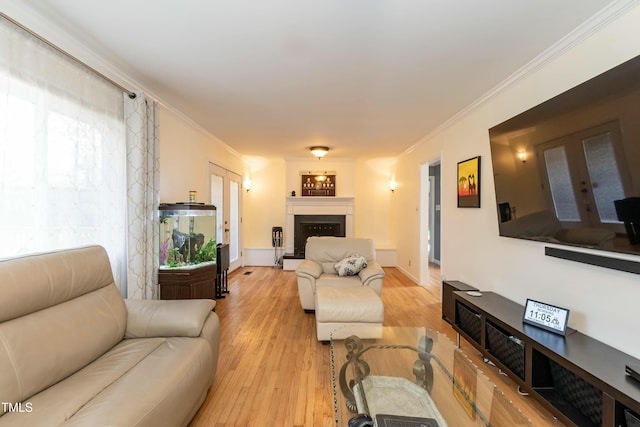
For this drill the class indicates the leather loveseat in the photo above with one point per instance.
(318, 267)
(74, 352)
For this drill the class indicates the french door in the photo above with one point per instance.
(584, 174)
(225, 196)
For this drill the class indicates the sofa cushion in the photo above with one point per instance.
(351, 265)
(33, 282)
(58, 312)
(326, 250)
(45, 347)
(166, 318)
(150, 381)
(350, 304)
(337, 281)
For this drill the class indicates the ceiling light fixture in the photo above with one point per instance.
(319, 151)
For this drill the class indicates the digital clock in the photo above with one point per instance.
(546, 316)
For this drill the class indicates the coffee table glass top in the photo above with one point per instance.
(415, 376)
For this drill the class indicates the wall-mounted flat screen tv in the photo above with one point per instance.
(568, 170)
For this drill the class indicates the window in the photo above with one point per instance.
(585, 175)
(564, 201)
(604, 175)
(62, 153)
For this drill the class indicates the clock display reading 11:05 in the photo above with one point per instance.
(546, 316)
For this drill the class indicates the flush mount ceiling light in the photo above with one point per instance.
(319, 151)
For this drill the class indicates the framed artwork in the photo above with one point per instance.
(465, 382)
(469, 183)
(318, 184)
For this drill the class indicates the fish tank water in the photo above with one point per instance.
(187, 235)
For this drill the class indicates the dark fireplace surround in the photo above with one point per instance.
(306, 226)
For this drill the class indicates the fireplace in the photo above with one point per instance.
(306, 226)
(328, 208)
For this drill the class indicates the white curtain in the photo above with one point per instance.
(142, 197)
(62, 153)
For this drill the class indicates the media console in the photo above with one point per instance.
(580, 380)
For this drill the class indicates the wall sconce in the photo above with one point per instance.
(393, 185)
(248, 184)
(319, 151)
(522, 155)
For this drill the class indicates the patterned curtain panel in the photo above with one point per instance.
(143, 196)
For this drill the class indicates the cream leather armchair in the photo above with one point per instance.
(73, 352)
(322, 253)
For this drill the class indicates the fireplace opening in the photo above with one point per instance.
(306, 226)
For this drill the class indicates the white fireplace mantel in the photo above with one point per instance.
(317, 205)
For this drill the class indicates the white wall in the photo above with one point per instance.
(274, 179)
(264, 206)
(185, 153)
(603, 302)
(367, 181)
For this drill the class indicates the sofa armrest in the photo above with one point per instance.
(373, 271)
(309, 268)
(166, 318)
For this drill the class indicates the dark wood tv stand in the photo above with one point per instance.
(580, 380)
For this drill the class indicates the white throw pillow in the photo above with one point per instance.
(351, 265)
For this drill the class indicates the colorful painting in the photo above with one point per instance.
(469, 183)
(464, 382)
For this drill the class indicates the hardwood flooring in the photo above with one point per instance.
(273, 372)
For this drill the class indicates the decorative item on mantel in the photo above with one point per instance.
(318, 183)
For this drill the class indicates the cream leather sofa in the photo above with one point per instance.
(73, 352)
(322, 253)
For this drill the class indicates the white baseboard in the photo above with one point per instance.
(258, 257)
(291, 264)
(409, 275)
(386, 257)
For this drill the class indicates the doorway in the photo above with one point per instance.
(225, 196)
(429, 218)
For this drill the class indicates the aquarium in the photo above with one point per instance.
(187, 235)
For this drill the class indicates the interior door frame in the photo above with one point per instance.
(228, 176)
(426, 218)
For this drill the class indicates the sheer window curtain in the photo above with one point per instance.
(62, 153)
(142, 197)
(78, 165)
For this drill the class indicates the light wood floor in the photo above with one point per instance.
(273, 372)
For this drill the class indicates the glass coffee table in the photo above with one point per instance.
(412, 376)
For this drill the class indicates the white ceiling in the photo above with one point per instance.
(368, 78)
